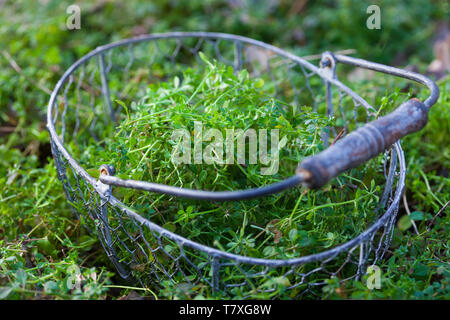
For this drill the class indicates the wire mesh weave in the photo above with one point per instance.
(81, 108)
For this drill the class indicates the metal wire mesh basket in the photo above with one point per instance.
(81, 108)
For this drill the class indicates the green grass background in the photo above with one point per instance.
(41, 244)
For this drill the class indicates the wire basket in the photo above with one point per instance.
(82, 107)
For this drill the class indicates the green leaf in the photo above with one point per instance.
(293, 234)
(170, 226)
(86, 242)
(205, 59)
(50, 286)
(21, 277)
(259, 83)
(243, 75)
(268, 251)
(421, 270)
(417, 216)
(4, 292)
(304, 240)
(282, 281)
(176, 82)
(46, 246)
(404, 223)
(123, 104)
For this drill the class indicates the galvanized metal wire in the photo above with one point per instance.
(81, 108)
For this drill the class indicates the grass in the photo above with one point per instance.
(40, 239)
(40, 251)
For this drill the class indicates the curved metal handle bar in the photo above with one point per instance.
(434, 90)
(206, 195)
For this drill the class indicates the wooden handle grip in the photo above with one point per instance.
(364, 143)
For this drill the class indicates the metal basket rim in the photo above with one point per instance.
(382, 220)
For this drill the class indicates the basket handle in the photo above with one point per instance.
(363, 144)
